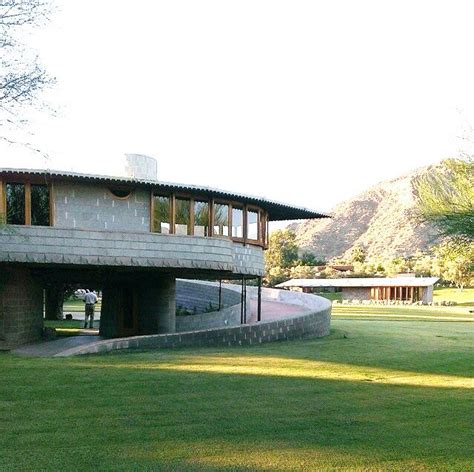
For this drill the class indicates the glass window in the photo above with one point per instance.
(221, 219)
(40, 205)
(15, 204)
(237, 223)
(182, 214)
(252, 225)
(161, 214)
(201, 218)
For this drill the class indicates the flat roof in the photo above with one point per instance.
(277, 211)
(362, 282)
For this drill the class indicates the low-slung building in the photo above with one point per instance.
(410, 289)
(131, 237)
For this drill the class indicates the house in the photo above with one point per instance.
(129, 236)
(410, 289)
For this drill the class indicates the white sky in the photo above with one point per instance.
(308, 102)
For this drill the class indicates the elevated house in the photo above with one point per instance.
(410, 289)
(129, 236)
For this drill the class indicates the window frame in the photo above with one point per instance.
(262, 216)
(27, 184)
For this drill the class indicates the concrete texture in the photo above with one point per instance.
(310, 317)
(21, 306)
(88, 206)
(52, 245)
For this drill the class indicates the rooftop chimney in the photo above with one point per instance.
(141, 167)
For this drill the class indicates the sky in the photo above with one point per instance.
(307, 102)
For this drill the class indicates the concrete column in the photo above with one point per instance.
(157, 306)
(109, 315)
(427, 294)
(21, 306)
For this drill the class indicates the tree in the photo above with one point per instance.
(454, 261)
(22, 77)
(446, 197)
(282, 249)
(282, 253)
(309, 259)
(358, 254)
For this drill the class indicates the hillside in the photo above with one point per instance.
(381, 220)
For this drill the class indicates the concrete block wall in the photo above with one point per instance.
(312, 324)
(86, 206)
(248, 259)
(197, 297)
(21, 306)
(217, 319)
(315, 322)
(52, 245)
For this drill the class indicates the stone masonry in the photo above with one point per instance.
(21, 306)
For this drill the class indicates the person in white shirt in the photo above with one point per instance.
(90, 299)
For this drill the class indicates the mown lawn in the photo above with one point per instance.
(371, 396)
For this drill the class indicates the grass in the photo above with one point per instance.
(396, 312)
(371, 396)
(464, 297)
(72, 305)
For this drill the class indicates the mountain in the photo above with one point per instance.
(380, 220)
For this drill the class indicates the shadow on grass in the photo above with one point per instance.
(79, 414)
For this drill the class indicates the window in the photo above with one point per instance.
(201, 218)
(237, 222)
(221, 220)
(40, 205)
(182, 216)
(120, 192)
(15, 204)
(28, 204)
(161, 214)
(252, 225)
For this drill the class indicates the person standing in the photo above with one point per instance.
(90, 299)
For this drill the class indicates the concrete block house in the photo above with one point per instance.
(132, 237)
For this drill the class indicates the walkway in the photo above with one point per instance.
(270, 311)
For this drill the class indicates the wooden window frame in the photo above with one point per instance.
(262, 215)
(154, 194)
(229, 217)
(257, 210)
(27, 183)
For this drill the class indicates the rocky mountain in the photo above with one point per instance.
(380, 220)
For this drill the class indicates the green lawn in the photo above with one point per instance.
(371, 396)
(400, 312)
(72, 305)
(464, 297)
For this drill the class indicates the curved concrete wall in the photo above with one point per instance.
(52, 245)
(198, 298)
(217, 319)
(315, 322)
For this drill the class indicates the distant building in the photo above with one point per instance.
(410, 289)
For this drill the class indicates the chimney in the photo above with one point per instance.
(141, 167)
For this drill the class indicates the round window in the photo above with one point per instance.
(120, 192)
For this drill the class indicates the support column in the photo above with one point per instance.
(157, 306)
(259, 300)
(21, 306)
(53, 302)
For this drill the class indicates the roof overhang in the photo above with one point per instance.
(361, 282)
(277, 211)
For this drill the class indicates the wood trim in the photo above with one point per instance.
(3, 204)
(191, 217)
(211, 217)
(52, 204)
(152, 212)
(257, 210)
(27, 203)
(172, 211)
